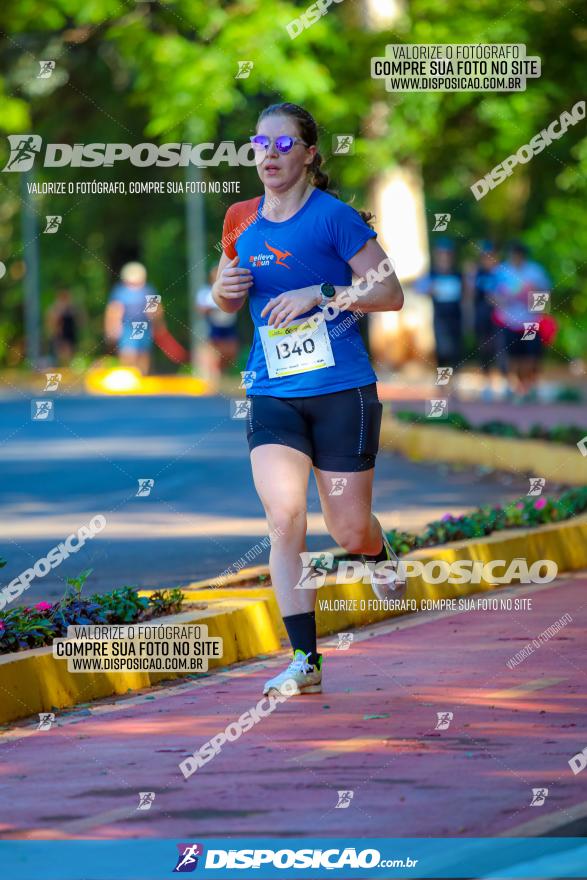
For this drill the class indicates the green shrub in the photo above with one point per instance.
(567, 434)
(25, 627)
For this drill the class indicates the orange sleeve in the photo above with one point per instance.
(238, 218)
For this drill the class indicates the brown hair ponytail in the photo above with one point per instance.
(309, 133)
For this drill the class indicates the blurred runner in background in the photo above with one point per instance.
(444, 284)
(221, 348)
(63, 323)
(133, 312)
(486, 333)
(517, 279)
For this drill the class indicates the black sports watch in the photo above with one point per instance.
(327, 292)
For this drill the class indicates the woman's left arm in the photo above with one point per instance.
(376, 290)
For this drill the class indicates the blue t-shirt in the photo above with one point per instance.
(445, 288)
(312, 247)
(134, 300)
(514, 284)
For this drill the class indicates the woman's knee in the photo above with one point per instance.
(286, 519)
(352, 536)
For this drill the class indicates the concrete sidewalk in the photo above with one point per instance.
(371, 732)
(523, 415)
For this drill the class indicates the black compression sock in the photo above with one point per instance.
(301, 629)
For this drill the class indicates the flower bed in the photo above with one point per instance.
(524, 512)
(33, 627)
(569, 435)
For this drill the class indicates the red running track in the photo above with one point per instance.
(372, 732)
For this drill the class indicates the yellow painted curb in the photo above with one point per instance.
(34, 681)
(128, 380)
(249, 622)
(194, 593)
(564, 543)
(343, 606)
(553, 461)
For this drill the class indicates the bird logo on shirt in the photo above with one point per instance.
(281, 255)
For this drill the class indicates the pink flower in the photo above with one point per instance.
(520, 506)
(2, 626)
(43, 606)
(540, 503)
(446, 517)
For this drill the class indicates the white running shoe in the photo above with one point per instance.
(300, 677)
(387, 581)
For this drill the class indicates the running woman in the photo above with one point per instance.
(313, 403)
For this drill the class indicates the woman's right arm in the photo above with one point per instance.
(232, 284)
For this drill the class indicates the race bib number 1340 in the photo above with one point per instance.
(296, 349)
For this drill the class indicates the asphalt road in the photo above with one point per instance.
(202, 513)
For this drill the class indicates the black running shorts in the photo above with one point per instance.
(338, 431)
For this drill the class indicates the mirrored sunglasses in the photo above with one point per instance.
(283, 144)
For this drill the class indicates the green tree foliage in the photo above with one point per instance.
(132, 71)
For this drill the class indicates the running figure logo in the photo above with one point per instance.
(244, 69)
(314, 570)
(344, 799)
(138, 329)
(530, 331)
(539, 795)
(539, 301)
(152, 301)
(344, 641)
(42, 410)
(444, 719)
(281, 255)
(338, 484)
(437, 409)
(441, 222)
(240, 408)
(53, 222)
(443, 375)
(53, 380)
(343, 144)
(536, 485)
(23, 149)
(145, 487)
(46, 719)
(47, 68)
(187, 861)
(146, 799)
(247, 378)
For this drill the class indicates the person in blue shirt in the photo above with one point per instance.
(444, 285)
(132, 313)
(311, 391)
(517, 281)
